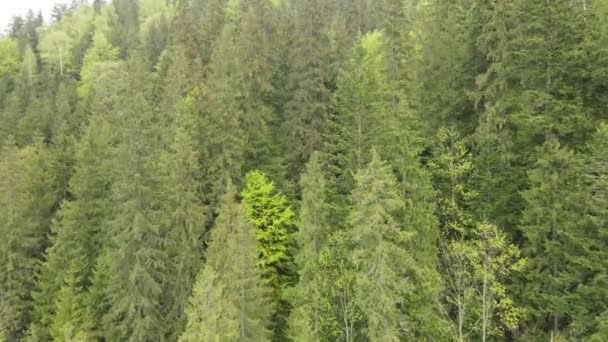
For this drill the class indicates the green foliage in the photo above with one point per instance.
(309, 104)
(78, 224)
(556, 239)
(100, 53)
(29, 188)
(137, 262)
(272, 219)
(230, 297)
(186, 219)
(123, 123)
(380, 261)
(311, 237)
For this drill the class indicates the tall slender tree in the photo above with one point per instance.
(309, 105)
(230, 298)
(311, 238)
(30, 194)
(381, 262)
(77, 228)
(556, 238)
(135, 258)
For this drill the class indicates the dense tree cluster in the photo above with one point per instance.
(310, 170)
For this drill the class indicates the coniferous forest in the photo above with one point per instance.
(305, 170)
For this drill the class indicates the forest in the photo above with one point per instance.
(305, 170)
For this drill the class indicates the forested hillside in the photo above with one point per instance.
(305, 170)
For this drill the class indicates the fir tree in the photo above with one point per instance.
(186, 219)
(220, 116)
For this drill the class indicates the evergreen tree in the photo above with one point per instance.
(229, 302)
(78, 226)
(594, 267)
(381, 262)
(556, 238)
(125, 31)
(219, 117)
(135, 258)
(307, 110)
(30, 194)
(312, 235)
(272, 219)
(186, 219)
(72, 321)
(496, 179)
(445, 66)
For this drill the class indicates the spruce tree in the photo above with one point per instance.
(230, 298)
(185, 218)
(595, 266)
(307, 110)
(313, 232)
(220, 115)
(382, 264)
(30, 194)
(272, 218)
(135, 258)
(72, 321)
(556, 240)
(79, 224)
(496, 179)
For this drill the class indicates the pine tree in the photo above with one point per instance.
(496, 179)
(256, 41)
(126, 28)
(229, 302)
(272, 218)
(72, 321)
(595, 265)
(445, 65)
